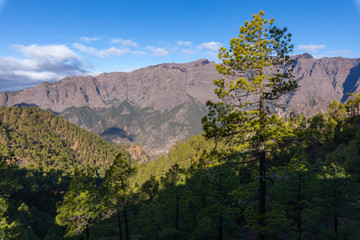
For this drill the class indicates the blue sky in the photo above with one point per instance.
(46, 40)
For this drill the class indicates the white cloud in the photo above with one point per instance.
(100, 52)
(41, 63)
(125, 42)
(46, 52)
(36, 76)
(211, 46)
(89, 39)
(161, 52)
(183, 43)
(311, 48)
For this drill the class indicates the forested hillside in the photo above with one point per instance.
(196, 191)
(39, 154)
(199, 191)
(41, 140)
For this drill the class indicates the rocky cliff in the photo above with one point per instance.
(159, 105)
(323, 81)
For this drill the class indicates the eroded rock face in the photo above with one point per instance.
(161, 87)
(159, 105)
(323, 81)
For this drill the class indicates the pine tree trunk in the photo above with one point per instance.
(126, 224)
(177, 216)
(203, 199)
(87, 231)
(220, 234)
(262, 168)
(119, 224)
(335, 223)
(299, 210)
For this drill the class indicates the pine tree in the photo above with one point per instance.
(117, 191)
(257, 69)
(81, 205)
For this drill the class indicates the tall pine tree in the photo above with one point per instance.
(257, 70)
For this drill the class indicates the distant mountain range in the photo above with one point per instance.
(159, 105)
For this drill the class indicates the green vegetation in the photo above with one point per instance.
(313, 184)
(39, 154)
(39, 139)
(251, 175)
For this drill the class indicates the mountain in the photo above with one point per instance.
(155, 106)
(162, 104)
(323, 81)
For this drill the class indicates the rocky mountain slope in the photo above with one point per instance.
(323, 81)
(155, 106)
(159, 105)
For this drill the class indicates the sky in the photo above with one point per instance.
(47, 40)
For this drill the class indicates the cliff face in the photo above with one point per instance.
(161, 87)
(323, 81)
(159, 105)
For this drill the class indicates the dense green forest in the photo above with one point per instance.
(192, 193)
(250, 175)
(39, 153)
(41, 140)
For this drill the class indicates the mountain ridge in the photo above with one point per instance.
(165, 102)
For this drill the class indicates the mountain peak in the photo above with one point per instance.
(307, 56)
(304, 56)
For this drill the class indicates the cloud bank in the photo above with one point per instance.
(40, 63)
